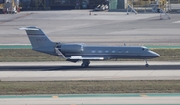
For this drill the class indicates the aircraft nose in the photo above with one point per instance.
(154, 54)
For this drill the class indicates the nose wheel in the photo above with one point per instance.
(146, 65)
(85, 63)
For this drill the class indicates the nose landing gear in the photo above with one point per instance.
(146, 65)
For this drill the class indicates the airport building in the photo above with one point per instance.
(59, 4)
(86, 4)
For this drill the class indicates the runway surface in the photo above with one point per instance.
(93, 99)
(103, 70)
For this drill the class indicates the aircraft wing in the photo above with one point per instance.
(77, 57)
(80, 57)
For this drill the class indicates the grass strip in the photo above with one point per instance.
(89, 87)
(25, 55)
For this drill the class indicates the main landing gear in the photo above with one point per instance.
(147, 65)
(85, 63)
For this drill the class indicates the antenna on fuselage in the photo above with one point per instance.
(124, 44)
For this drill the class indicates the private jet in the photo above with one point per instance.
(75, 52)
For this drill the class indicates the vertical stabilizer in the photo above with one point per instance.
(39, 41)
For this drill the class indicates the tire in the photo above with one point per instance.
(147, 65)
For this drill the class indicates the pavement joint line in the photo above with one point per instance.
(151, 72)
(17, 73)
(50, 74)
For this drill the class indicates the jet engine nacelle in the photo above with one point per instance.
(71, 48)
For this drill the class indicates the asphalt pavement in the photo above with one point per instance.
(100, 28)
(104, 70)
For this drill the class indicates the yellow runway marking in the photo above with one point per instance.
(143, 95)
(55, 97)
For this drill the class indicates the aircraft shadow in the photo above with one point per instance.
(90, 68)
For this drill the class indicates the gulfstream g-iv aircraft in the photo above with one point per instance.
(80, 52)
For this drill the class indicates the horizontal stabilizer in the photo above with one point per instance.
(80, 57)
(29, 28)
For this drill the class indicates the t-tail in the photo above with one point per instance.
(39, 41)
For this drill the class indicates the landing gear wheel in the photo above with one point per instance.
(85, 64)
(147, 65)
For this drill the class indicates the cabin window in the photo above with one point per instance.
(99, 51)
(93, 51)
(113, 51)
(120, 51)
(106, 51)
(127, 51)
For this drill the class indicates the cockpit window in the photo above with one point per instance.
(145, 49)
